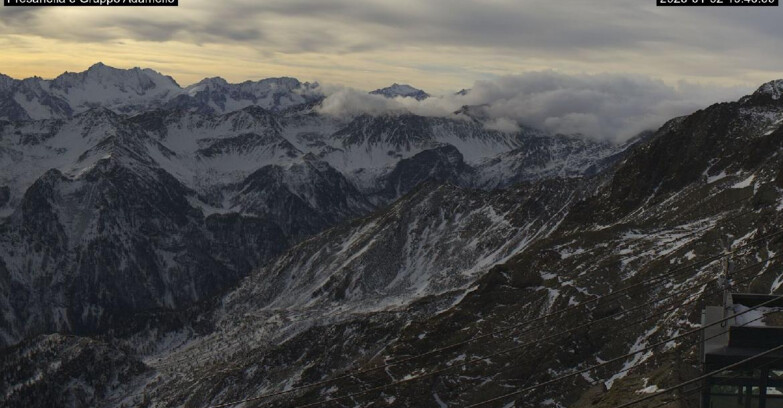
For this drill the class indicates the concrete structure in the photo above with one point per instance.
(758, 383)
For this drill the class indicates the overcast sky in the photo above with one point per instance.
(438, 45)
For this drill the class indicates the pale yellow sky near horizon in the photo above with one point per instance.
(188, 64)
(437, 45)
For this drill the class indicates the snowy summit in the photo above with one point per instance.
(773, 89)
(401, 90)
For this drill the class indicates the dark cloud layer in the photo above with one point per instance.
(542, 25)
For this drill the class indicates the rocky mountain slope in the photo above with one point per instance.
(197, 257)
(158, 202)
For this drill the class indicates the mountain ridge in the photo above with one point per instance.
(290, 173)
(137, 89)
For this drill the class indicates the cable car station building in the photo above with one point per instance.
(758, 383)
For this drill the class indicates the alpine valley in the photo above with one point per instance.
(163, 246)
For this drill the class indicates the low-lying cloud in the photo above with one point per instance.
(608, 107)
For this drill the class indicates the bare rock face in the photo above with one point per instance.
(5, 195)
(69, 371)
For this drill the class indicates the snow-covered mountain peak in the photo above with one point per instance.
(279, 83)
(401, 90)
(767, 96)
(98, 66)
(282, 86)
(122, 90)
(773, 88)
(135, 80)
(216, 95)
(212, 82)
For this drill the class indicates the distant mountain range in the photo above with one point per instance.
(132, 91)
(137, 90)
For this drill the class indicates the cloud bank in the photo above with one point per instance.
(611, 107)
